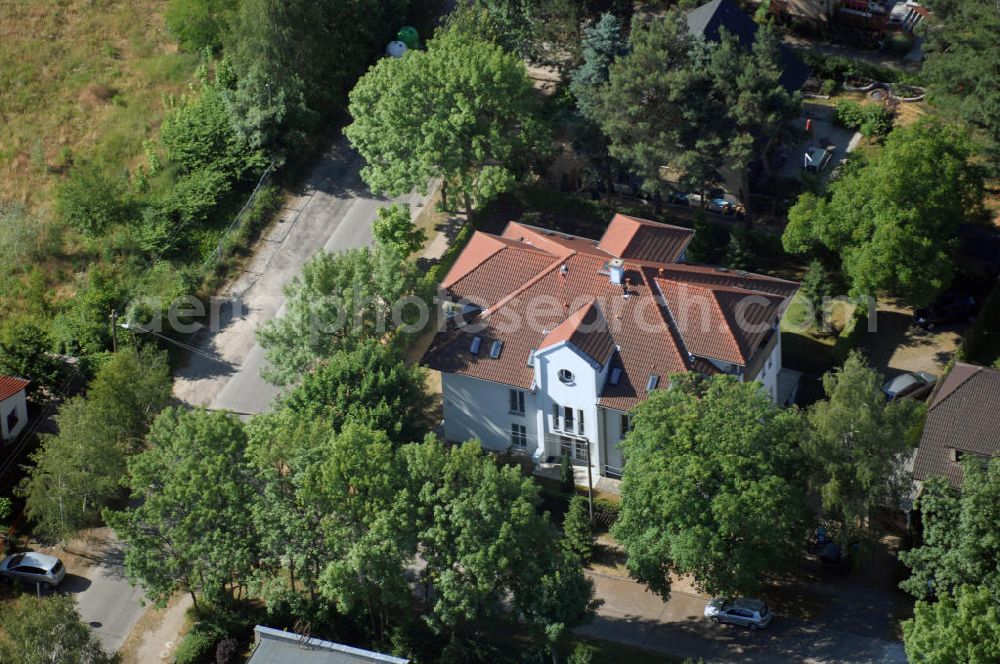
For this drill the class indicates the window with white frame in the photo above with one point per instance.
(575, 449)
(579, 422)
(517, 402)
(626, 423)
(518, 435)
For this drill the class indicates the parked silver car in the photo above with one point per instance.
(751, 613)
(32, 567)
(916, 384)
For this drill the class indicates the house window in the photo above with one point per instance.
(626, 423)
(568, 418)
(579, 422)
(616, 375)
(652, 383)
(518, 435)
(517, 402)
(496, 348)
(12, 421)
(566, 376)
(477, 341)
(575, 449)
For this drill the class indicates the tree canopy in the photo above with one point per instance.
(393, 228)
(714, 487)
(190, 529)
(339, 301)
(857, 443)
(691, 105)
(894, 216)
(961, 66)
(463, 110)
(960, 627)
(959, 544)
(44, 630)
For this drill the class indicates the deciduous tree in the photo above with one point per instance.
(894, 217)
(858, 444)
(45, 630)
(190, 528)
(338, 302)
(960, 627)
(959, 545)
(394, 229)
(714, 486)
(463, 110)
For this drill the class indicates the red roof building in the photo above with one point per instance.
(554, 338)
(13, 407)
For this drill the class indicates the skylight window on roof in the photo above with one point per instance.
(653, 381)
(477, 341)
(496, 348)
(531, 357)
(616, 375)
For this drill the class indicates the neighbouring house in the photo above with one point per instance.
(553, 339)
(710, 18)
(273, 646)
(963, 422)
(13, 407)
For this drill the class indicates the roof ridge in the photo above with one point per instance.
(946, 391)
(672, 327)
(528, 284)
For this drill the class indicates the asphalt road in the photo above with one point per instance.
(634, 616)
(334, 212)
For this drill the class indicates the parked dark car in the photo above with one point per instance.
(916, 384)
(948, 308)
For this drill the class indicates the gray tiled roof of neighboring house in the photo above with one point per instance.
(707, 19)
(277, 647)
(963, 416)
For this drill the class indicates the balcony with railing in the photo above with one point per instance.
(567, 426)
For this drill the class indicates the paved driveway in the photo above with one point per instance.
(334, 212)
(634, 616)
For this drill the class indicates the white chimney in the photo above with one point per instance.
(616, 270)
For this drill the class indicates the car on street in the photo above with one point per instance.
(948, 308)
(916, 384)
(33, 567)
(750, 613)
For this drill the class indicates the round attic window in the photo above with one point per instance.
(566, 376)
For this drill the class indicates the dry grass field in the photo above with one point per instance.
(80, 79)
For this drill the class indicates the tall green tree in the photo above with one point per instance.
(603, 42)
(858, 443)
(370, 384)
(961, 67)
(46, 630)
(394, 229)
(26, 352)
(486, 545)
(463, 110)
(74, 474)
(714, 486)
(894, 217)
(960, 545)
(578, 532)
(190, 528)
(339, 301)
(960, 627)
(128, 391)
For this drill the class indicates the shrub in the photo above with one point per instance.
(90, 201)
(829, 86)
(198, 645)
(877, 122)
(849, 114)
(199, 24)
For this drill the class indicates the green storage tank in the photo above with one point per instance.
(408, 35)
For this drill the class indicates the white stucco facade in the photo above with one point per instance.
(561, 410)
(13, 416)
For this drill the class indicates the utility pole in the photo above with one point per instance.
(114, 330)
(590, 486)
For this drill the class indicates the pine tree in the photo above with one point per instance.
(578, 533)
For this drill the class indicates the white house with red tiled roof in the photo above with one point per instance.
(553, 339)
(13, 407)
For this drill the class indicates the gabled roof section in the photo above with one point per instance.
(644, 240)
(9, 386)
(587, 330)
(964, 416)
(710, 276)
(719, 322)
(491, 267)
(709, 18)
